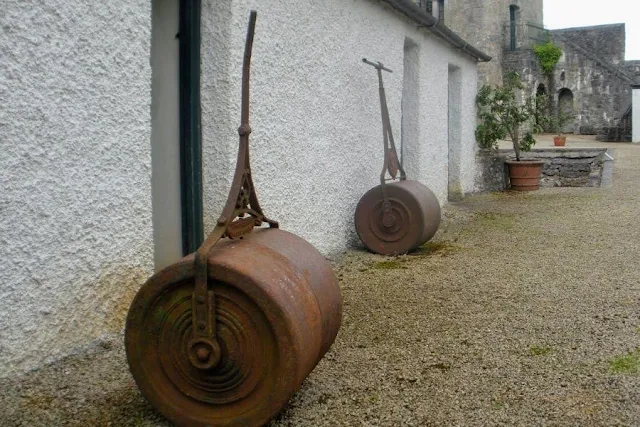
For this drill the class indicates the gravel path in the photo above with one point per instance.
(525, 310)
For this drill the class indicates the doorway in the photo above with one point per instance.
(410, 131)
(165, 133)
(565, 107)
(454, 132)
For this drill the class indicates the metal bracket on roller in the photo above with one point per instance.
(391, 163)
(240, 215)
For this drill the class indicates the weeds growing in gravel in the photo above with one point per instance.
(496, 220)
(443, 248)
(392, 264)
(539, 351)
(627, 364)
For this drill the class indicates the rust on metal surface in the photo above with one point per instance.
(240, 227)
(227, 335)
(391, 163)
(278, 310)
(242, 200)
(394, 218)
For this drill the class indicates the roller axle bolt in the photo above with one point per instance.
(203, 354)
(388, 221)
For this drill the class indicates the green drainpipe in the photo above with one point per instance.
(190, 126)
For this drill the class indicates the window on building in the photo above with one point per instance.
(426, 5)
(513, 17)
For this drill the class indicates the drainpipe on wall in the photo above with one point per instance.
(190, 126)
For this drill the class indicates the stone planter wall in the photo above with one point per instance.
(563, 167)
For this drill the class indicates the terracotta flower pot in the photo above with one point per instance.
(525, 174)
(559, 140)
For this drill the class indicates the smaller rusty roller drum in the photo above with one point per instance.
(413, 217)
(277, 311)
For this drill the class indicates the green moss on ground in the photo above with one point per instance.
(393, 264)
(496, 220)
(536, 350)
(443, 248)
(626, 364)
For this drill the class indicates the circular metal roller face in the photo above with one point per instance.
(411, 217)
(247, 373)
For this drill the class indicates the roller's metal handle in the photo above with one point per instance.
(377, 65)
(391, 163)
(204, 350)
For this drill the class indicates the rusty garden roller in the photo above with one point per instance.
(227, 335)
(395, 217)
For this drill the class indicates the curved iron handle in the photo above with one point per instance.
(242, 200)
(391, 163)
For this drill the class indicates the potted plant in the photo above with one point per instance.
(556, 123)
(503, 112)
(559, 140)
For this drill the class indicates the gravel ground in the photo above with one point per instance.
(524, 310)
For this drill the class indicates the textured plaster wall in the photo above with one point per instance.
(317, 139)
(75, 204)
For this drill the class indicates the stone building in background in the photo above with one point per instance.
(592, 81)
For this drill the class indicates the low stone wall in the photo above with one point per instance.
(563, 167)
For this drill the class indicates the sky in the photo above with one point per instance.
(581, 13)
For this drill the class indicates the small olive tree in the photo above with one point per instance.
(502, 115)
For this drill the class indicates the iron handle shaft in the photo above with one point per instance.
(377, 65)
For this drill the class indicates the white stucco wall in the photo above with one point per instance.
(317, 140)
(76, 233)
(75, 180)
(635, 120)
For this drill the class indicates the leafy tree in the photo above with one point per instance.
(502, 115)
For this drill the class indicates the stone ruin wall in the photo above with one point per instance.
(484, 24)
(594, 70)
(593, 63)
(592, 67)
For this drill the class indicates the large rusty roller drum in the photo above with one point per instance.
(277, 312)
(395, 217)
(225, 336)
(412, 218)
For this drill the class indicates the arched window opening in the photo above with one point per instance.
(565, 106)
(542, 102)
(542, 90)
